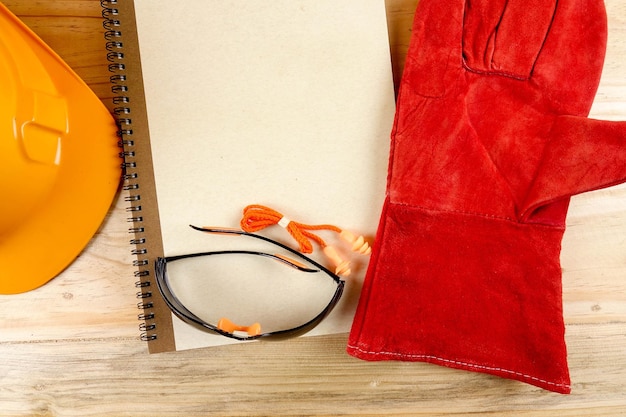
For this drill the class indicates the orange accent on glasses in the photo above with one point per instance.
(228, 326)
(292, 262)
(218, 230)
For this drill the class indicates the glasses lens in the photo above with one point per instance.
(248, 288)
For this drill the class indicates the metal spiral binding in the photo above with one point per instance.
(122, 112)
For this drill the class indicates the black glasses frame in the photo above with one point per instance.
(177, 307)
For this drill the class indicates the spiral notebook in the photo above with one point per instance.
(225, 103)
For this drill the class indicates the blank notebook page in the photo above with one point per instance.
(286, 103)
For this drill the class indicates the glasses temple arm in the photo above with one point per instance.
(238, 232)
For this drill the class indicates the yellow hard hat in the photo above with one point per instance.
(60, 164)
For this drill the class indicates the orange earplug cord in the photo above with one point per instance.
(257, 217)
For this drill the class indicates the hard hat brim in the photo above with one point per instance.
(87, 179)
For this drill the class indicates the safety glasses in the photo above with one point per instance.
(248, 294)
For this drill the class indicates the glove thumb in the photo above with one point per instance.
(582, 155)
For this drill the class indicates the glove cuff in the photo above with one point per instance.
(465, 291)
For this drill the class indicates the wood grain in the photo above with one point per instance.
(71, 348)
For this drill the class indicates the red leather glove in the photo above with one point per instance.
(490, 141)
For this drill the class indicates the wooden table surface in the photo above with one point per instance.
(71, 348)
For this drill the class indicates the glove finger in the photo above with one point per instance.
(582, 155)
(433, 59)
(569, 66)
(480, 24)
(505, 37)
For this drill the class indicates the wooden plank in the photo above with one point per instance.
(311, 376)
